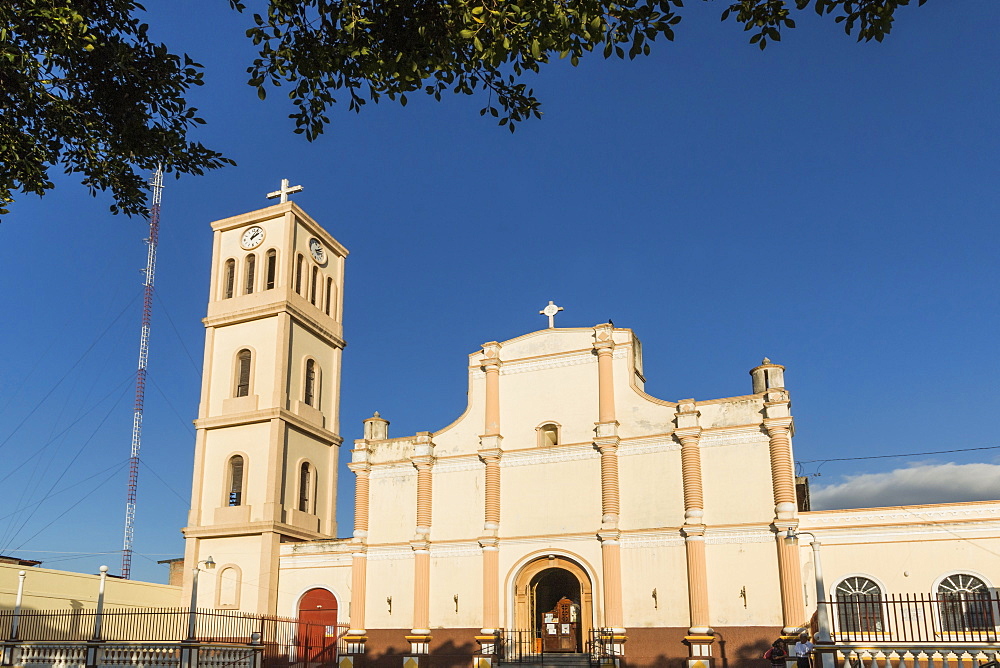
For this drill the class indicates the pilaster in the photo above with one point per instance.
(423, 461)
(355, 638)
(490, 453)
(779, 425)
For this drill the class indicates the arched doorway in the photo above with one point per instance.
(318, 627)
(553, 598)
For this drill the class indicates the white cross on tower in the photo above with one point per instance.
(285, 191)
(551, 311)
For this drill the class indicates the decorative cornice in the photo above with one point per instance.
(549, 455)
(900, 515)
(266, 415)
(289, 306)
(746, 434)
(249, 528)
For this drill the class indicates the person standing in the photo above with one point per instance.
(803, 650)
(777, 653)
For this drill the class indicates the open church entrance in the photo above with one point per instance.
(554, 600)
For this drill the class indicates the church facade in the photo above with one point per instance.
(564, 505)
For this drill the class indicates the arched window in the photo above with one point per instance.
(548, 435)
(229, 279)
(309, 395)
(229, 587)
(236, 480)
(243, 360)
(251, 266)
(859, 606)
(312, 286)
(298, 274)
(965, 604)
(329, 291)
(270, 269)
(305, 487)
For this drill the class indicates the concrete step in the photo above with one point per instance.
(552, 660)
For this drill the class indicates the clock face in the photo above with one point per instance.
(316, 248)
(252, 238)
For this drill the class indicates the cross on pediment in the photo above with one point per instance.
(284, 191)
(551, 311)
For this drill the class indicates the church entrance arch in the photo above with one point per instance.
(318, 627)
(554, 599)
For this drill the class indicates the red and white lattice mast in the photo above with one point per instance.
(156, 184)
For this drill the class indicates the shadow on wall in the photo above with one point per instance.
(450, 648)
(733, 648)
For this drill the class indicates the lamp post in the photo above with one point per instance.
(193, 611)
(99, 616)
(15, 622)
(822, 614)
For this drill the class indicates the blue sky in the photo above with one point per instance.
(830, 205)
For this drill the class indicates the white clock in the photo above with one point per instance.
(252, 238)
(316, 248)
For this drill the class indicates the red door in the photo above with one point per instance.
(318, 627)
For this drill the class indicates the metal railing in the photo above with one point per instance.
(281, 639)
(600, 645)
(910, 618)
(519, 646)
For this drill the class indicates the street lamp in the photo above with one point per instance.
(192, 612)
(822, 614)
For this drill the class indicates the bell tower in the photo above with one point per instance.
(265, 469)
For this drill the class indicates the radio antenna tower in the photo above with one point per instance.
(156, 184)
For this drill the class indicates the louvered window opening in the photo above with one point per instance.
(243, 378)
(272, 263)
(236, 481)
(251, 266)
(304, 488)
(230, 278)
(310, 389)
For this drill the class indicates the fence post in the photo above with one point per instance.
(99, 617)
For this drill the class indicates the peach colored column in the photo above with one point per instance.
(491, 364)
(422, 460)
(606, 442)
(612, 566)
(778, 423)
(421, 592)
(490, 454)
(694, 527)
(359, 558)
(359, 585)
(606, 387)
(491, 578)
(694, 544)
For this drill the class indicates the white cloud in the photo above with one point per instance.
(917, 484)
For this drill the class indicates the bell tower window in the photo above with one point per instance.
(270, 267)
(243, 359)
(312, 287)
(310, 385)
(329, 291)
(298, 274)
(305, 482)
(236, 480)
(251, 265)
(229, 279)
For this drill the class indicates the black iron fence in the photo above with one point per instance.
(526, 646)
(916, 618)
(282, 639)
(519, 646)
